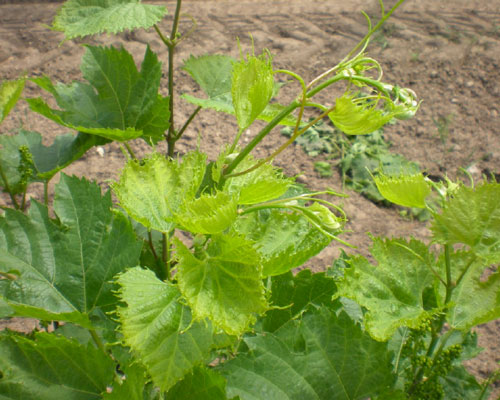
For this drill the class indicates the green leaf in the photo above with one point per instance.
(202, 383)
(392, 291)
(152, 190)
(263, 184)
(460, 384)
(252, 87)
(293, 295)
(214, 75)
(132, 387)
(319, 363)
(476, 299)
(47, 160)
(51, 367)
(65, 265)
(285, 241)
(158, 328)
(358, 116)
(208, 214)
(120, 103)
(404, 190)
(472, 217)
(79, 18)
(224, 283)
(10, 91)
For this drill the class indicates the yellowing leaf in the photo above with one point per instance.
(223, 283)
(404, 190)
(10, 91)
(252, 88)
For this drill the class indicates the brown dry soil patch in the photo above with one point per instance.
(447, 52)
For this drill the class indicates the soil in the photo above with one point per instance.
(447, 52)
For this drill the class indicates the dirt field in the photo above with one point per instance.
(448, 52)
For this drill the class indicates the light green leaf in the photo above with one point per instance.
(358, 116)
(285, 241)
(79, 18)
(47, 160)
(224, 283)
(120, 103)
(214, 75)
(475, 300)
(292, 295)
(208, 214)
(132, 387)
(263, 184)
(472, 217)
(314, 362)
(404, 190)
(252, 87)
(392, 291)
(157, 327)
(10, 91)
(51, 367)
(65, 266)
(202, 383)
(152, 190)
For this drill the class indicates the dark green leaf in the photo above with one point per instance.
(51, 367)
(202, 383)
(47, 160)
(66, 265)
(326, 357)
(79, 18)
(292, 295)
(460, 384)
(120, 103)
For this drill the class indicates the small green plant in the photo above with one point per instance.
(184, 288)
(443, 124)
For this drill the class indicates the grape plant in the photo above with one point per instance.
(181, 286)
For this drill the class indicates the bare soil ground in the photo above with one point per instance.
(448, 52)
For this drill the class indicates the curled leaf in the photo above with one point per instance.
(404, 190)
(252, 88)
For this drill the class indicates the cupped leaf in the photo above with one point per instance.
(263, 184)
(358, 116)
(214, 75)
(65, 266)
(47, 160)
(10, 91)
(51, 367)
(284, 241)
(476, 299)
(472, 217)
(223, 283)
(202, 383)
(153, 189)
(119, 102)
(314, 362)
(79, 18)
(252, 87)
(404, 190)
(208, 214)
(392, 291)
(158, 328)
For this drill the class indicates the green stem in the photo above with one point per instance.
(97, 340)
(130, 151)
(23, 201)
(7, 188)
(188, 121)
(165, 256)
(46, 193)
(151, 245)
